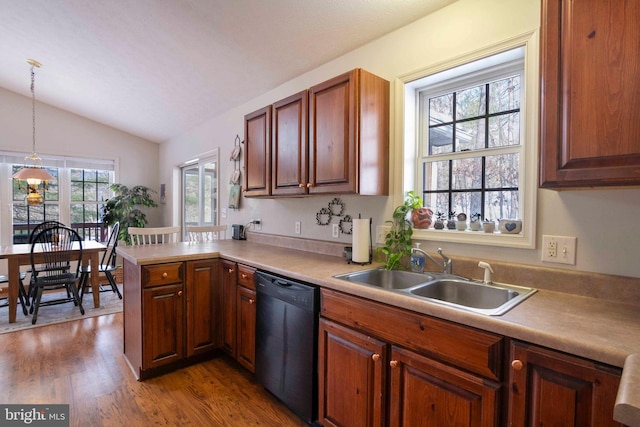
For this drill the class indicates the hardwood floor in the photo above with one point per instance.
(81, 363)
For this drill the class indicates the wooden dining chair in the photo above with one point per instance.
(107, 266)
(207, 233)
(22, 295)
(153, 235)
(59, 266)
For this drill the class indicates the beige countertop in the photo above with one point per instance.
(596, 329)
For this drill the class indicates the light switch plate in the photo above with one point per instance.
(559, 249)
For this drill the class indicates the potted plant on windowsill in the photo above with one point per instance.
(123, 207)
(475, 224)
(397, 243)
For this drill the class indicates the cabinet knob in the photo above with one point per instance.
(244, 276)
(165, 275)
(393, 363)
(517, 365)
(251, 301)
(231, 270)
(375, 357)
(179, 293)
(309, 185)
(301, 185)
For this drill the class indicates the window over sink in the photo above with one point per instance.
(470, 140)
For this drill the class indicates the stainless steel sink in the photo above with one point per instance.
(450, 290)
(387, 279)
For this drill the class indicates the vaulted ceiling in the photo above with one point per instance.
(157, 68)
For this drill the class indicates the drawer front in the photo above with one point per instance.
(161, 274)
(467, 348)
(245, 276)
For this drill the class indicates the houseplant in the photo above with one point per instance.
(397, 242)
(476, 225)
(123, 207)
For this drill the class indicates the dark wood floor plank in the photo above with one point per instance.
(81, 363)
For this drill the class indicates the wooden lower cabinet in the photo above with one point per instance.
(163, 326)
(171, 313)
(380, 365)
(239, 313)
(352, 370)
(246, 327)
(424, 392)
(229, 285)
(555, 389)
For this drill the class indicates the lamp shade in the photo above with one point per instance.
(32, 173)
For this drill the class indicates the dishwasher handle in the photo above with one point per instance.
(281, 282)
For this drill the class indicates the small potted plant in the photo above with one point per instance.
(396, 250)
(488, 225)
(476, 225)
(439, 223)
(451, 223)
(461, 223)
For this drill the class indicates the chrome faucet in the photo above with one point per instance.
(446, 261)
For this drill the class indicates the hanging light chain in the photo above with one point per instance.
(33, 107)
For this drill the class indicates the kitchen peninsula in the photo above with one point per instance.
(600, 331)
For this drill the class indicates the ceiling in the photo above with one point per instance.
(157, 68)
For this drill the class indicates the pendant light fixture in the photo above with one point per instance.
(33, 173)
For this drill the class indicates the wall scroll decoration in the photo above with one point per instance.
(346, 225)
(234, 179)
(323, 217)
(336, 207)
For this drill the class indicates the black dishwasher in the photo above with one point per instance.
(287, 342)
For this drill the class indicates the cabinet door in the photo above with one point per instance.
(550, 388)
(590, 62)
(352, 374)
(201, 284)
(163, 325)
(332, 133)
(427, 393)
(246, 327)
(289, 146)
(257, 153)
(229, 283)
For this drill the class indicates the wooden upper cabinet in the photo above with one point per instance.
(590, 121)
(289, 146)
(257, 153)
(349, 135)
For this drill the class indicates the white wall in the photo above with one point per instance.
(59, 132)
(607, 243)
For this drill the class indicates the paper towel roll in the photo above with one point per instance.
(361, 240)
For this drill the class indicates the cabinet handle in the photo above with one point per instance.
(516, 365)
(375, 357)
(165, 275)
(309, 185)
(251, 301)
(393, 363)
(179, 293)
(301, 185)
(244, 276)
(231, 270)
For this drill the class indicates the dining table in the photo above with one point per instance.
(20, 254)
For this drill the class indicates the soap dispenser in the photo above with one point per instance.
(417, 259)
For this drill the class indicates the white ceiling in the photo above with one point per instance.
(157, 68)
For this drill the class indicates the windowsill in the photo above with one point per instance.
(520, 240)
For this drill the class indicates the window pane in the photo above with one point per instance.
(504, 95)
(502, 205)
(467, 202)
(436, 175)
(441, 109)
(441, 139)
(191, 197)
(76, 191)
(470, 102)
(90, 192)
(467, 173)
(503, 171)
(470, 135)
(504, 130)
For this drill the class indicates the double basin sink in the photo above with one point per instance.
(446, 289)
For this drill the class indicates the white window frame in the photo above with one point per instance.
(199, 162)
(64, 165)
(406, 143)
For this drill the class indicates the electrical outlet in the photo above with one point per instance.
(298, 227)
(257, 224)
(335, 231)
(559, 249)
